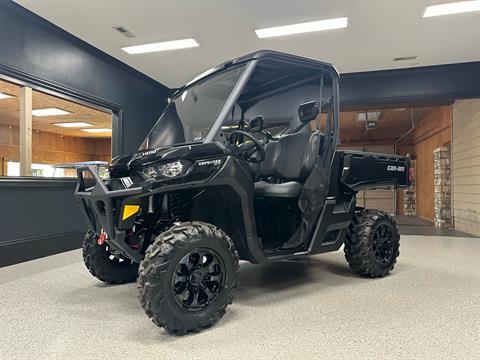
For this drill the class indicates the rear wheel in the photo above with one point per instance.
(104, 264)
(188, 277)
(372, 244)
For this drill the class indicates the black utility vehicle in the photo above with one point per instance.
(242, 164)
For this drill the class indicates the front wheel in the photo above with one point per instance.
(188, 277)
(372, 244)
(106, 266)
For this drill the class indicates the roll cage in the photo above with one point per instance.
(259, 81)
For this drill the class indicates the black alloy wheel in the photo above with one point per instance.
(188, 277)
(372, 243)
(198, 279)
(116, 259)
(383, 244)
(106, 265)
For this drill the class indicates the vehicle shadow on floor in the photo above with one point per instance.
(273, 283)
(259, 285)
(278, 281)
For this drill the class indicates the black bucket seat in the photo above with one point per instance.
(288, 161)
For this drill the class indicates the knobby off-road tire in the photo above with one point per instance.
(372, 244)
(104, 266)
(188, 277)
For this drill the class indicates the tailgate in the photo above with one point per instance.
(364, 170)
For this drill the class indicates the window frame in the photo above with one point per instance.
(65, 93)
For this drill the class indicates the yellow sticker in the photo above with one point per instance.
(129, 210)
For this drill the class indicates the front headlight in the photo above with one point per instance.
(169, 170)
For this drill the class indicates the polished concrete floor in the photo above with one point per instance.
(413, 225)
(429, 308)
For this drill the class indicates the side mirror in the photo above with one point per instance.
(256, 124)
(308, 111)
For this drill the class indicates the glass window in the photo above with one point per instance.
(189, 116)
(61, 132)
(275, 91)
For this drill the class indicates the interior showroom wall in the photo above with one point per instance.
(272, 179)
(41, 55)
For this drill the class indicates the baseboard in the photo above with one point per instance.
(16, 251)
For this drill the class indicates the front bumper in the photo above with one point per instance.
(107, 210)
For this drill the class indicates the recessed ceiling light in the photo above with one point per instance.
(328, 24)
(49, 112)
(73, 124)
(98, 130)
(399, 109)
(161, 46)
(368, 116)
(452, 8)
(5, 96)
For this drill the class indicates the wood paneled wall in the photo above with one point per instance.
(51, 148)
(431, 132)
(466, 165)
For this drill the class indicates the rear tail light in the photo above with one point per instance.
(411, 174)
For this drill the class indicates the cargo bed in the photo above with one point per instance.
(364, 170)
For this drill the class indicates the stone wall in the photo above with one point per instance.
(443, 212)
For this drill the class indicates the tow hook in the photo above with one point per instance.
(101, 239)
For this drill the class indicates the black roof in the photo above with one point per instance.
(284, 56)
(264, 54)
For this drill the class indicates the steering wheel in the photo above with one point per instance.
(246, 150)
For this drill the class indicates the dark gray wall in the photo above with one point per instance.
(39, 217)
(439, 83)
(38, 52)
(49, 208)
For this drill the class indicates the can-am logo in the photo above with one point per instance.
(395, 168)
(215, 162)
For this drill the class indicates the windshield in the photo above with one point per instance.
(191, 114)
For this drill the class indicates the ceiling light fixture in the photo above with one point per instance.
(452, 8)
(328, 24)
(5, 96)
(98, 130)
(49, 112)
(368, 116)
(161, 46)
(78, 124)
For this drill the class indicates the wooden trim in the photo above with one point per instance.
(3, 166)
(25, 143)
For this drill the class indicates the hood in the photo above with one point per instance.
(122, 165)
